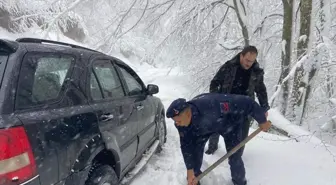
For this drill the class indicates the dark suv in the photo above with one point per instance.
(72, 116)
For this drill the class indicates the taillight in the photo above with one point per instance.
(17, 163)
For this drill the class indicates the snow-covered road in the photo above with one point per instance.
(269, 159)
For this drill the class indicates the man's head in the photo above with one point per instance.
(179, 110)
(248, 56)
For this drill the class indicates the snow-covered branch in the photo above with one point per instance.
(260, 26)
(156, 18)
(241, 15)
(333, 101)
(290, 75)
(52, 23)
(231, 47)
(137, 22)
(211, 6)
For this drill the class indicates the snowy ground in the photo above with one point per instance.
(269, 159)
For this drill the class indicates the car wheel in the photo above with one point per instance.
(161, 133)
(102, 175)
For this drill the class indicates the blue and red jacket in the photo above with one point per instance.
(214, 113)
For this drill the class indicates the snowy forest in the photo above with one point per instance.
(296, 41)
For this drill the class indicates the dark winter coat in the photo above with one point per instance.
(214, 113)
(224, 78)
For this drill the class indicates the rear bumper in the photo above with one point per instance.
(33, 181)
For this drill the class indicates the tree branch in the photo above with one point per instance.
(142, 15)
(123, 18)
(201, 11)
(231, 48)
(159, 5)
(291, 74)
(119, 25)
(221, 21)
(158, 17)
(72, 6)
(260, 26)
(122, 34)
(242, 22)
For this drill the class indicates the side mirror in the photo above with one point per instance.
(152, 89)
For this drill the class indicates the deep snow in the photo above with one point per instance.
(269, 159)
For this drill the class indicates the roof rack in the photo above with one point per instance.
(8, 46)
(36, 40)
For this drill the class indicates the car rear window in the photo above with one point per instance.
(41, 79)
(3, 58)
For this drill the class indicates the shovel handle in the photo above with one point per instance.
(227, 155)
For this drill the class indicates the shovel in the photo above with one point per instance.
(227, 155)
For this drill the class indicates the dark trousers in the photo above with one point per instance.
(232, 139)
(236, 163)
(214, 138)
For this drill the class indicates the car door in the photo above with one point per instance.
(117, 118)
(135, 90)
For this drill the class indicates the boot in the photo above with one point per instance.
(211, 150)
(213, 144)
(243, 182)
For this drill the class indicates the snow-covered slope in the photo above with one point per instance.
(269, 159)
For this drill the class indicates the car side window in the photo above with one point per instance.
(134, 86)
(107, 79)
(41, 78)
(95, 90)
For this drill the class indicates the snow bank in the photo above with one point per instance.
(293, 131)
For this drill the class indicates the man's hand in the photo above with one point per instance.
(191, 177)
(265, 126)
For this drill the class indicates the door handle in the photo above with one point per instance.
(140, 107)
(106, 117)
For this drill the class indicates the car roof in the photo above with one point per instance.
(51, 43)
(43, 45)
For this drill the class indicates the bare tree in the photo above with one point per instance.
(300, 85)
(285, 53)
(240, 10)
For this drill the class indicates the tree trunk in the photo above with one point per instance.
(286, 52)
(324, 25)
(241, 14)
(300, 85)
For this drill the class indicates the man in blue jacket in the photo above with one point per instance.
(211, 113)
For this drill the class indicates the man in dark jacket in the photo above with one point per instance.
(240, 75)
(210, 113)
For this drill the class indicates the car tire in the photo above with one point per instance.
(102, 175)
(162, 133)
